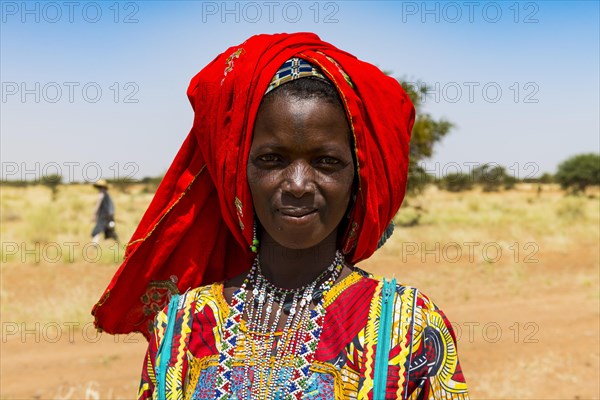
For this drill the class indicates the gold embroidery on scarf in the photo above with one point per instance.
(352, 236)
(166, 212)
(101, 302)
(156, 296)
(229, 63)
(240, 212)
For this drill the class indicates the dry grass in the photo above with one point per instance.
(519, 223)
(37, 230)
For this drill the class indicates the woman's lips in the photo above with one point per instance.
(296, 211)
(298, 215)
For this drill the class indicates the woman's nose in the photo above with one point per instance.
(299, 179)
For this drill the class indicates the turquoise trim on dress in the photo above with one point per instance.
(383, 342)
(164, 350)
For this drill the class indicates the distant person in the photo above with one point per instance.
(104, 214)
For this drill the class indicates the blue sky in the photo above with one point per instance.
(94, 89)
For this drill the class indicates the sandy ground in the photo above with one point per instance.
(525, 331)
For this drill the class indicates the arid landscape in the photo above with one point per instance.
(517, 273)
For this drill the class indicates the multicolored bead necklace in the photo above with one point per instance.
(294, 351)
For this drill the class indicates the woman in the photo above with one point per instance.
(294, 168)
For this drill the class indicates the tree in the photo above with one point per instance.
(510, 182)
(493, 177)
(426, 132)
(546, 178)
(578, 172)
(52, 181)
(457, 182)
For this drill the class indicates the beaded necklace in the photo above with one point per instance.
(293, 352)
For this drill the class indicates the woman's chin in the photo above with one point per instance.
(298, 239)
(295, 244)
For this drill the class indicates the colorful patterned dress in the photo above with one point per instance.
(423, 362)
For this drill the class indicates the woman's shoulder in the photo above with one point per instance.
(211, 295)
(195, 298)
(362, 300)
(413, 306)
(420, 301)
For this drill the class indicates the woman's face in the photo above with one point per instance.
(300, 169)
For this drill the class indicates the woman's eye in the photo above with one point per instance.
(329, 161)
(269, 158)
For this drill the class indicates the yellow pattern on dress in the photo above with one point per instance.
(371, 341)
(339, 287)
(399, 333)
(174, 373)
(450, 357)
(143, 388)
(350, 377)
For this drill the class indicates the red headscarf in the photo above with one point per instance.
(198, 228)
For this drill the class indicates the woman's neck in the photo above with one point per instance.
(293, 268)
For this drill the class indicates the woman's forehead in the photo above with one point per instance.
(304, 123)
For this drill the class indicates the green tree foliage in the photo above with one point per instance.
(52, 181)
(578, 172)
(509, 182)
(14, 183)
(546, 178)
(492, 178)
(426, 132)
(457, 182)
